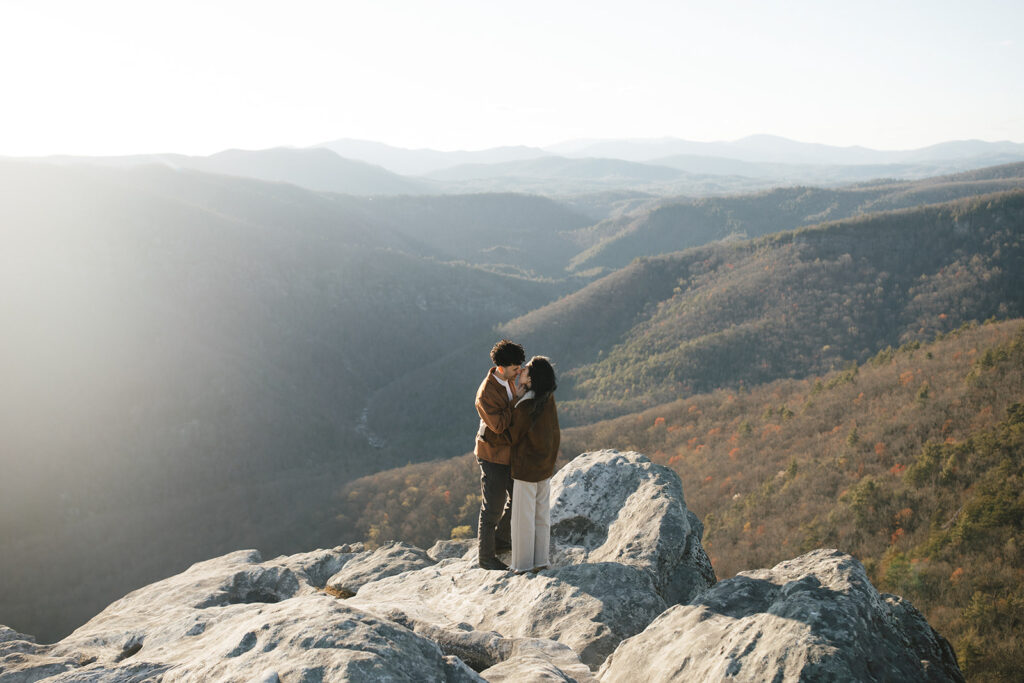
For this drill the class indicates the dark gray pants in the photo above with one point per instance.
(495, 527)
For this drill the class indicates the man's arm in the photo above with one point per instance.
(495, 411)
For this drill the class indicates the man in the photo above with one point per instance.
(494, 402)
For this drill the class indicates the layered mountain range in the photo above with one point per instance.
(660, 167)
(198, 358)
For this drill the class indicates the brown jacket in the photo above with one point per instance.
(492, 440)
(534, 442)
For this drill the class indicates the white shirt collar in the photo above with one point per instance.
(528, 395)
(505, 384)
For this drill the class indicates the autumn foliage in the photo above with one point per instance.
(927, 491)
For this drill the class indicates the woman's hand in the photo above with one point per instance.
(522, 383)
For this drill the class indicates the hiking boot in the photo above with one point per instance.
(493, 563)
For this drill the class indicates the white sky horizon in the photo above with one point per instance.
(120, 77)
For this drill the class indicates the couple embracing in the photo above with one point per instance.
(516, 447)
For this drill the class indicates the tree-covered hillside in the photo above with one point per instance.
(783, 305)
(675, 224)
(727, 314)
(516, 234)
(911, 461)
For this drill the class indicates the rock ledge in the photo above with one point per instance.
(630, 595)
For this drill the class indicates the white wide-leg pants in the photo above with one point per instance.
(531, 524)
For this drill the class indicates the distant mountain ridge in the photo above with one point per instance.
(314, 169)
(775, 149)
(748, 164)
(562, 167)
(754, 149)
(423, 161)
(667, 166)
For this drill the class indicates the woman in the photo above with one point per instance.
(535, 438)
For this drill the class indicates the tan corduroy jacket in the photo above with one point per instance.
(492, 439)
(534, 441)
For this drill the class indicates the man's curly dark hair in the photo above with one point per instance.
(507, 352)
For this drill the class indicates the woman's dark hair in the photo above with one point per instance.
(506, 353)
(542, 382)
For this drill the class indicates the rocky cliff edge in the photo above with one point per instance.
(630, 595)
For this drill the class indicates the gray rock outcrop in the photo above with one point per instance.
(236, 618)
(623, 540)
(630, 595)
(814, 618)
(609, 506)
(589, 608)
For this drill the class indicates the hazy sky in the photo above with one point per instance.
(134, 76)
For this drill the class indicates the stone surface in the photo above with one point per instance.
(609, 506)
(12, 642)
(9, 635)
(388, 560)
(25, 667)
(498, 657)
(236, 618)
(813, 618)
(626, 552)
(623, 541)
(444, 550)
(316, 567)
(22, 659)
(589, 607)
(539, 660)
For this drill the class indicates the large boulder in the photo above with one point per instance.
(814, 618)
(236, 618)
(609, 506)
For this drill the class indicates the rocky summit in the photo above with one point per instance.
(630, 595)
(814, 618)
